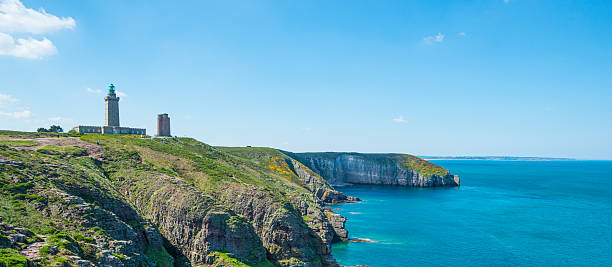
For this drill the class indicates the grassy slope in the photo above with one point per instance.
(205, 168)
(211, 169)
(208, 167)
(29, 192)
(268, 159)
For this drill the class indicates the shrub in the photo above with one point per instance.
(44, 251)
(86, 239)
(10, 257)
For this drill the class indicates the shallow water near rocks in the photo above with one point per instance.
(506, 213)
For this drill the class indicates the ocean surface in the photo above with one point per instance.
(506, 213)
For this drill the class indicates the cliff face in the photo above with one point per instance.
(384, 169)
(101, 200)
(108, 200)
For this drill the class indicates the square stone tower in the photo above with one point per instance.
(163, 125)
(112, 107)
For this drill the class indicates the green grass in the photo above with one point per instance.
(19, 143)
(420, 165)
(10, 257)
(60, 240)
(224, 259)
(20, 187)
(160, 256)
(44, 251)
(19, 134)
(20, 213)
(204, 167)
(61, 150)
(138, 166)
(80, 237)
(59, 259)
(119, 256)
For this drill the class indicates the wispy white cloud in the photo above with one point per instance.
(461, 34)
(506, 1)
(12, 110)
(438, 38)
(16, 18)
(400, 119)
(26, 48)
(5, 99)
(307, 129)
(94, 91)
(59, 119)
(121, 94)
(16, 114)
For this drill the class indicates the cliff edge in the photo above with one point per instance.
(385, 169)
(110, 200)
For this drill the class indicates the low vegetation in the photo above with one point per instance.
(71, 202)
(62, 150)
(421, 166)
(141, 191)
(19, 143)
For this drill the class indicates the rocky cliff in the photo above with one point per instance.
(384, 169)
(109, 200)
(106, 200)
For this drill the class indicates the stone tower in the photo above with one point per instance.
(112, 107)
(163, 125)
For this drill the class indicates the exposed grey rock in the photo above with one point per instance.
(192, 222)
(280, 227)
(33, 250)
(383, 169)
(338, 223)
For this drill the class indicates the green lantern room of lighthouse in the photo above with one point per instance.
(111, 89)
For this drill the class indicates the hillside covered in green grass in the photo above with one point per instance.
(109, 200)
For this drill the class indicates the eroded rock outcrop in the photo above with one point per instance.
(194, 224)
(281, 227)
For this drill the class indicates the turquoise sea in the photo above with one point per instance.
(506, 213)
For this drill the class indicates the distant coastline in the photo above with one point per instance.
(505, 158)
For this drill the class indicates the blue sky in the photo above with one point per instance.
(521, 78)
